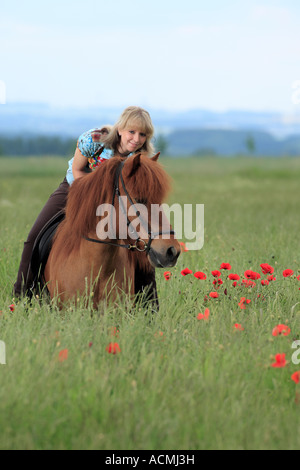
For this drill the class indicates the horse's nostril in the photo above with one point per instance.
(171, 252)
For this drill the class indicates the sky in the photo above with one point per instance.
(165, 54)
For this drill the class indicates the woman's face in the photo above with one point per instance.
(132, 139)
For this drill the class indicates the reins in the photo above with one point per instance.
(146, 246)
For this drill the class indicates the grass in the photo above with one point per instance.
(178, 382)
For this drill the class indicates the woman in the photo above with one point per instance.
(132, 133)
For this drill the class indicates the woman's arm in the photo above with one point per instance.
(79, 164)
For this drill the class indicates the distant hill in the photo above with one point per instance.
(41, 128)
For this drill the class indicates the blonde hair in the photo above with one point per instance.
(133, 116)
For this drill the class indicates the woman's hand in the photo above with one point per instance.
(79, 164)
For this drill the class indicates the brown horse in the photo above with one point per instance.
(80, 262)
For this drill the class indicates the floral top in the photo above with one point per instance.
(92, 148)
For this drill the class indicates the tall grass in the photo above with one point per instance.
(178, 382)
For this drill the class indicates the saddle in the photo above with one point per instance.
(41, 250)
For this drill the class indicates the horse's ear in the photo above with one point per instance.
(155, 158)
(136, 163)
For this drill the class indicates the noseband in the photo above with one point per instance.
(136, 246)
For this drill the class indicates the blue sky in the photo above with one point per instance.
(170, 54)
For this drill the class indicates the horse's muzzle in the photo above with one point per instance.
(164, 258)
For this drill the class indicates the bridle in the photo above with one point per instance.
(145, 246)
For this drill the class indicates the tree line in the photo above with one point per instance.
(39, 145)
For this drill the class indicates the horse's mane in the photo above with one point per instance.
(147, 182)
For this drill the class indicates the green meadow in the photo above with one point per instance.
(177, 382)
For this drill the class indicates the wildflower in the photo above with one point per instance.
(12, 307)
(200, 275)
(183, 247)
(63, 355)
(264, 282)
(204, 316)
(242, 302)
(271, 278)
(281, 330)
(214, 295)
(296, 377)
(249, 274)
(279, 361)
(225, 266)
(216, 273)
(167, 275)
(287, 273)
(113, 348)
(239, 327)
(186, 271)
(234, 284)
(248, 283)
(90, 344)
(217, 281)
(298, 277)
(234, 277)
(266, 268)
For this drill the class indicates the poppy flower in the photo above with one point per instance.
(298, 277)
(225, 266)
(214, 295)
(287, 273)
(242, 302)
(63, 355)
(167, 275)
(204, 316)
(266, 268)
(200, 275)
(271, 278)
(12, 307)
(239, 327)
(216, 273)
(183, 247)
(186, 271)
(279, 361)
(264, 282)
(234, 277)
(249, 274)
(296, 377)
(113, 348)
(234, 284)
(248, 283)
(217, 281)
(281, 330)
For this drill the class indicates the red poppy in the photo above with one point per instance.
(249, 274)
(204, 316)
(200, 275)
(214, 295)
(298, 277)
(63, 355)
(216, 273)
(239, 327)
(288, 273)
(279, 361)
(266, 268)
(113, 348)
(167, 275)
(234, 277)
(296, 377)
(234, 284)
(242, 302)
(12, 307)
(217, 281)
(281, 330)
(225, 266)
(186, 271)
(183, 247)
(264, 282)
(248, 283)
(271, 278)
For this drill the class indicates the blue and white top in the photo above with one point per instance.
(89, 144)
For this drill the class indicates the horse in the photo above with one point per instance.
(81, 261)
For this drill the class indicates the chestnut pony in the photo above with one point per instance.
(80, 262)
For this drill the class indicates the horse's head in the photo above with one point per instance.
(143, 186)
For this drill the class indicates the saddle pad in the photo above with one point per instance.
(42, 247)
